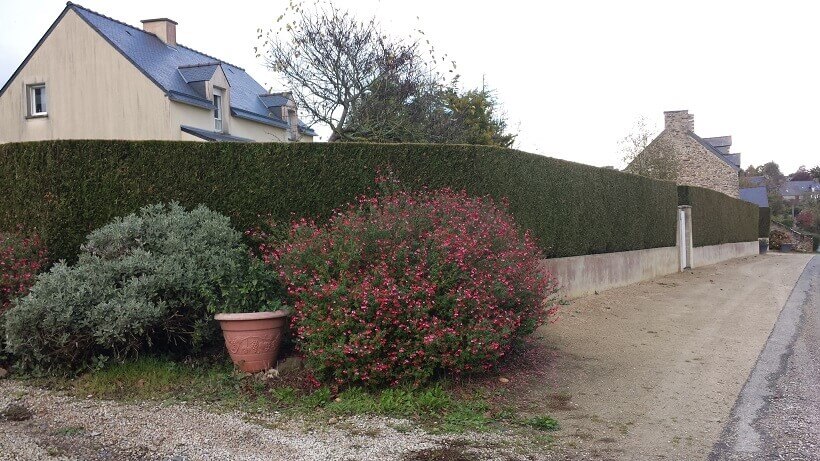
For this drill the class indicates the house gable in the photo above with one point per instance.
(82, 73)
(678, 154)
(162, 61)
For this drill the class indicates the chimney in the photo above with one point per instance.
(164, 28)
(679, 120)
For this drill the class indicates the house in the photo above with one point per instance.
(756, 180)
(757, 195)
(798, 190)
(678, 154)
(93, 77)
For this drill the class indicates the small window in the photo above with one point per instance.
(217, 112)
(37, 100)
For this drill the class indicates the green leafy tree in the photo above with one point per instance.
(429, 112)
(815, 172)
(772, 170)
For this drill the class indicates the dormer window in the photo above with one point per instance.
(217, 110)
(37, 100)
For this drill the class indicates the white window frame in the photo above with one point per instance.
(218, 111)
(32, 100)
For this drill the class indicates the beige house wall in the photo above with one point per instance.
(258, 132)
(85, 79)
(197, 117)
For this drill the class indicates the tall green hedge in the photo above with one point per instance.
(718, 218)
(67, 188)
(764, 222)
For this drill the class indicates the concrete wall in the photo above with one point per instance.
(92, 92)
(713, 254)
(583, 275)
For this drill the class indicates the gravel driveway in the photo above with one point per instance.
(777, 415)
(645, 372)
(66, 428)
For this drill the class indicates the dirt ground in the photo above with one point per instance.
(651, 371)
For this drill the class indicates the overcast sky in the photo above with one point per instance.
(573, 76)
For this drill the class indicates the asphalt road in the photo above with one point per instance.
(777, 415)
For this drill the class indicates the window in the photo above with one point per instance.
(217, 110)
(37, 100)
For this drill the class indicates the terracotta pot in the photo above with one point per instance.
(253, 338)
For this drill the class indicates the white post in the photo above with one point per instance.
(684, 237)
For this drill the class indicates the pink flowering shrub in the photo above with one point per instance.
(402, 287)
(22, 257)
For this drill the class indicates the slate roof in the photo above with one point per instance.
(274, 100)
(756, 195)
(172, 68)
(799, 187)
(212, 135)
(731, 160)
(721, 143)
(198, 72)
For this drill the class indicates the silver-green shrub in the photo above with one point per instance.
(141, 283)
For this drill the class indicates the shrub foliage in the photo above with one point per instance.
(141, 282)
(68, 188)
(764, 222)
(22, 257)
(718, 218)
(401, 286)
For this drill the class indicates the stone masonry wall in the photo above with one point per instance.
(693, 164)
(697, 166)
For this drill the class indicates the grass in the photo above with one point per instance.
(543, 423)
(438, 408)
(158, 379)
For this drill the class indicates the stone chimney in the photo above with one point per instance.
(164, 28)
(679, 120)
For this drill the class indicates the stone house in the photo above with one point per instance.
(93, 77)
(678, 154)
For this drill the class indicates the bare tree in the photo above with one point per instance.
(636, 141)
(645, 156)
(331, 60)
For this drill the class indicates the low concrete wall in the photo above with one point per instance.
(713, 254)
(583, 275)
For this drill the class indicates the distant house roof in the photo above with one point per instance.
(212, 135)
(173, 68)
(733, 160)
(799, 187)
(756, 195)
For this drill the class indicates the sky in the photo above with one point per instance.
(573, 76)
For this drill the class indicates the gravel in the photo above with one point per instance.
(777, 415)
(68, 428)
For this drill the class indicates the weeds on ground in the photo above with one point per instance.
(543, 423)
(438, 408)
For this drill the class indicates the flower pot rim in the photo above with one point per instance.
(251, 315)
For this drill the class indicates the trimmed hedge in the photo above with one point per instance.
(764, 222)
(67, 188)
(718, 218)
